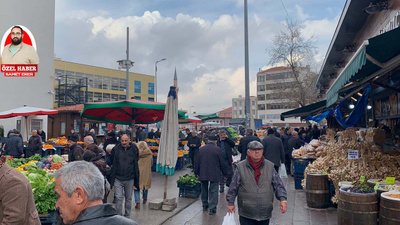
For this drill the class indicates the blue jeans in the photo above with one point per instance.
(123, 189)
(209, 194)
(137, 195)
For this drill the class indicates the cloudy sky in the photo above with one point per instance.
(202, 39)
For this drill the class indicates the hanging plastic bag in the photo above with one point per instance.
(229, 219)
(282, 171)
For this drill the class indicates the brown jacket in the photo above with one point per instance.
(17, 206)
(145, 163)
(26, 54)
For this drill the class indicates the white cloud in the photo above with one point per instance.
(300, 13)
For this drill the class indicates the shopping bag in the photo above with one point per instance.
(229, 219)
(282, 171)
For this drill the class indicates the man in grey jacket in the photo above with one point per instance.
(254, 183)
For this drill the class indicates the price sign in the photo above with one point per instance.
(390, 180)
(362, 178)
(352, 154)
(376, 186)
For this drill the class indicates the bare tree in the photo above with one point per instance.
(291, 48)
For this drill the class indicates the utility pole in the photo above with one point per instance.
(126, 64)
(246, 67)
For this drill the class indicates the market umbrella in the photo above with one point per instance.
(208, 116)
(127, 111)
(190, 119)
(26, 111)
(168, 148)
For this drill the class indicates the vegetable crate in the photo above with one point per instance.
(189, 192)
(301, 164)
(49, 219)
(179, 163)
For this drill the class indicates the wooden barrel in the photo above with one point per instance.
(389, 213)
(317, 190)
(357, 209)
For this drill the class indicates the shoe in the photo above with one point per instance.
(212, 212)
(144, 201)
(137, 206)
(205, 208)
(221, 191)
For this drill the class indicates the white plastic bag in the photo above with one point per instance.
(229, 219)
(282, 171)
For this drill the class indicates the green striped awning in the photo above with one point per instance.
(379, 49)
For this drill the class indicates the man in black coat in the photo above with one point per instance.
(273, 149)
(151, 134)
(75, 152)
(226, 144)
(242, 148)
(157, 134)
(294, 142)
(288, 154)
(124, 173)
(34, 144)
(194, 144)
(210, 164)
(42, 134)
(14, 145)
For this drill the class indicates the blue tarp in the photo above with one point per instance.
(321, 116)
(357, 112)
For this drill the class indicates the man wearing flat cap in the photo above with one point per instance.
(75, 151)
(210, 164)
(254, 183)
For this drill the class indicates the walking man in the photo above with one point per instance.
(194, 144)
(226, 145)
(273, 149)
(124, 173)
(34, 144)
(210, 164)
(254, 183)
(245, 141)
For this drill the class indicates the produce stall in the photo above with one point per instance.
(189, 186)
(39, 171)
(182, 154)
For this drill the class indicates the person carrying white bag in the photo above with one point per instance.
(255, 183)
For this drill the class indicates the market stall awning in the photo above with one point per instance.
(190, 119)
(208, 116)
(126, 111)
(305, 110)
(377, 53)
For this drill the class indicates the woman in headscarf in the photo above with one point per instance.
(145, 163)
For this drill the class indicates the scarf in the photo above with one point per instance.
(256, 167)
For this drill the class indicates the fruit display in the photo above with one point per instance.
(47, 147)
(153, 147)
(184, 142)
(372, 163)
(62, 141)
(157, 141)
(393, 195)
(312, 150)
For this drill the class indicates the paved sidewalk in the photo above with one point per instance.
(298, 213)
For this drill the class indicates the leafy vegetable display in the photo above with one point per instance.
(232, 132)
(359, 189)
(188, 180)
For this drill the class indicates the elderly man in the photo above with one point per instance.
(210, 164)
(245, 141)
(75, 152)
(93, 135)
(42, 134)
(124, 173)
(80, 191)
(194, 144)
(226, 145)
(273, 149)
(254, 183)
(34, 144)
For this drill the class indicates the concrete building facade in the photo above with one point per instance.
(238, 104)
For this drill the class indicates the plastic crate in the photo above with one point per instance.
(189, 192)
(301, 164)
(50, 218)
(298, 175)
(297, 184)
(179, 163)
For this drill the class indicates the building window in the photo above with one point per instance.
(137, 98)
(151, 99)
(138, 86)
(261, 97)
(115, 84)
(122, 85)
(235, 104)
(106, 83)
(240, 103)
(36, 124)
(253, 103)
(90, 80)
(122, 97)
(151, 88)
(97, 97)
(254, 112)
(106, 97)
(98, 81)
(240, 112)
(261, 87)
(114, 97)
(261, 106)
(62, 131)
